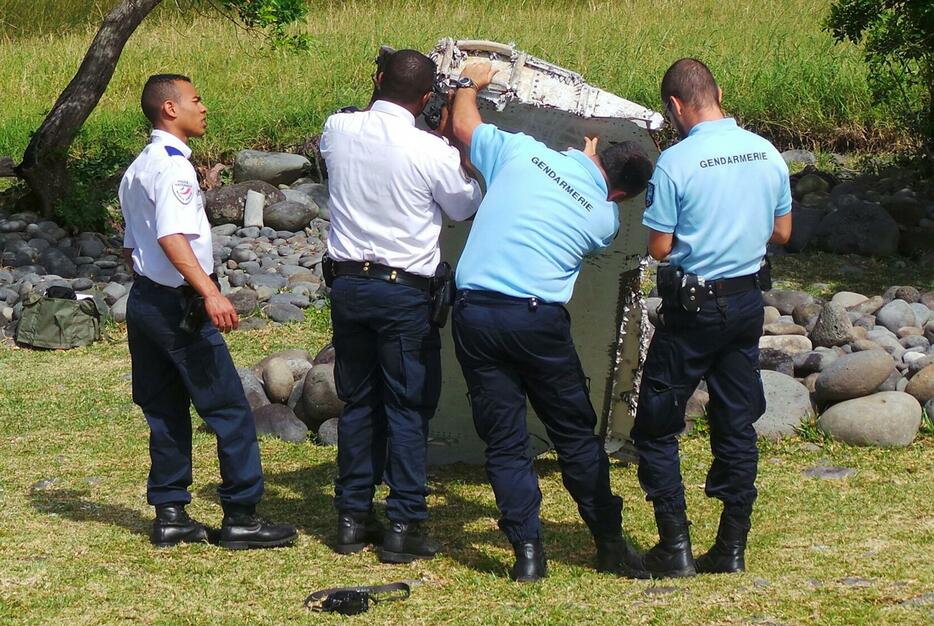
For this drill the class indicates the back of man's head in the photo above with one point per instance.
(692, 83)
(627, 168)
(158, 89)
(407, 76)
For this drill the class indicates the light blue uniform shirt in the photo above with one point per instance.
(543, 211)
(719, 191)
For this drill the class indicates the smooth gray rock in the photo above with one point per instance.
(853, 375)
(272, 281)
(890, 383)
(785, 300)
(325, 356)
(848, 299)
(57, 262)
(277, 380)
(921, 385)
(294, 195)
(280, 420)
(225, 205)
(790, 344)
(113, 292)
(784, 328)
(327, 432)
(922, 313)
(81, 284)
(275, 168)
(919, 364)
(319, 395)
(284, 313)
(289, 355)
(799, 156)
(787, 403)
(253, 388)
(886, 419)
(242, 253)
(811, 362)
(833, 326)
(896, 314)
(223, 230)
(118, 310)
(287, 215)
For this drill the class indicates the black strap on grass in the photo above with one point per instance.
(354, 600)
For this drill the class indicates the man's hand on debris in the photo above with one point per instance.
(480, 72)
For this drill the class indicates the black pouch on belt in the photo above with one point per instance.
(668, 279)
(442, 294)
(327, 269)
(764, 276)
(195, 313)
(692, 294)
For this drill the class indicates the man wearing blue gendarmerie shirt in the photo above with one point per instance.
(714, 202)
(543, 212)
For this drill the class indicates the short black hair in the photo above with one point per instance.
(407, 76)
(627, 167)
(158, 89)
(690, 81)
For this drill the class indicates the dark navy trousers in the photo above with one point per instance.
(510, 350)
(388, 372)
(721, 344)
(173, 369)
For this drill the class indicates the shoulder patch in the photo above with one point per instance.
(649, 195)
(173, 151)
(184, 191)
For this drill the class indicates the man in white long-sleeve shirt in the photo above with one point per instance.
(389, 183)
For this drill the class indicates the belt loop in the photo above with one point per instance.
(533, 304)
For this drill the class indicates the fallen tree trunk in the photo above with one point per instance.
(44, 162)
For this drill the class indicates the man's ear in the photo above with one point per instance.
(378, 79)
(170, 109)
(719, 96)
(423, 102)
(617, 195)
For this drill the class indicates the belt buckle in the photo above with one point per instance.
(392, 276)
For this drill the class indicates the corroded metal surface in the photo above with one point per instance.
(558, 107)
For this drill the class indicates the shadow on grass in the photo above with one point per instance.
(76, 506)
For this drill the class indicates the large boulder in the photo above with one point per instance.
(921, 385)
(854, 375)
(868, 307)
(55, 261)
(243, 301)
(225, 205)
(277, 380)
(806, 221)
(887, 419)
(280, 420)
(298, 360)
(275, 168)
(833, 327)
(848, 299)
(327, 432)
(288, 215)
(787, 403)
(859, 228)
(319, 396)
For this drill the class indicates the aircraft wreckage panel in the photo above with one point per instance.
(557, 107)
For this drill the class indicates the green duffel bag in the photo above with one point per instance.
(58, 324)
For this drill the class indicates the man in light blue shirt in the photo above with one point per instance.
(714, 202)
(543, 212)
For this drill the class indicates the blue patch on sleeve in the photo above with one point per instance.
(173, 151)
(649, 195)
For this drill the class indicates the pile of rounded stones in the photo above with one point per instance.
(270, 264)
(292, 394)
(864, 364)
(871, 215)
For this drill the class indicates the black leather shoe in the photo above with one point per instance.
(531, 564)
(671, 557)
(405, 542)
(172, 526)
(242, 531)
(616, 555)
(727, 556)
(355, 530)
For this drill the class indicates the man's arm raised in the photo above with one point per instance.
(466, 114)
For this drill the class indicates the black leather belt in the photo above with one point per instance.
(368, 269)
(731, 286)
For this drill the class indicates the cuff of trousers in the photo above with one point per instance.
(670, 506)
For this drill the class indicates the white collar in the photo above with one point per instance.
(384, 106)
(161, 136)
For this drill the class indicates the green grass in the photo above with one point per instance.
(778, 70)
(75, 550)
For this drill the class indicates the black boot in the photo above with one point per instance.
(172, 526)
(405, 542)
(617, 555)
(531, 564)
(242, 529)
(355, 530)
(671, 557)
(727, 555)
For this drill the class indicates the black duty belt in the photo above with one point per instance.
(368, 269)
(730, 286)
(354, 600)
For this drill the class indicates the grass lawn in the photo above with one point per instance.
(74, 523)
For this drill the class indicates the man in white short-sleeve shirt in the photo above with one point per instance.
(174, 314)
(389, 183)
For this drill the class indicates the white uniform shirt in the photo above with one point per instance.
(159, 196)
(387, 181)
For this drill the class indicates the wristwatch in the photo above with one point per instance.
(465, 83)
